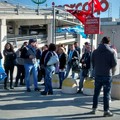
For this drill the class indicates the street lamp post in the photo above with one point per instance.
(91, 67)
(113, 35)
(53, 28)
(38, 2)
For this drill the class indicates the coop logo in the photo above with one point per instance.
(84, 7)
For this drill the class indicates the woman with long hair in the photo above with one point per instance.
(62, 64)
(9, 58)
(49, 69)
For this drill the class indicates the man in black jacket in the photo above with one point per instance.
(85, 61)
(77, 47)
(104, 63)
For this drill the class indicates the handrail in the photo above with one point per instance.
(40, 38)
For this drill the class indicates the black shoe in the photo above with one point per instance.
(79, 91)
(43, 84)
(37, 89)
(6, 88)
(60, 88)
(11, 87)
(16, 85)
(44, 93)
(50, 93)
(22, 84)
(93, 112)
(28, 90)
(108, 114)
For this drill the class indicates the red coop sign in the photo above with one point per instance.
(92, 25)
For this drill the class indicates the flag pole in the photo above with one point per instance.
(91, 67)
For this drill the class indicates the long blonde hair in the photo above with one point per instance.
(63, 49)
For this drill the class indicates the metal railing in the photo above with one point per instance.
(8, 8)
(41, 39)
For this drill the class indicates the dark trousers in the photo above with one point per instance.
(8, 69)
(41, 74)
(61, 78)
(104, 81)
(20, 74)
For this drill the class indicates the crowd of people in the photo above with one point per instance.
(55, 59)
(30, 59)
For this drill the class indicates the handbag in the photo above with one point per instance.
(53, 60)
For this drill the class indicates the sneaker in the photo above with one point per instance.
(11, 87)
(28, 90)
(37, 89)
(6, 88)
(108, 114)
(79, 91)
(43, 84)
(50, 93)
(44, 93)
(93, 111)
(23, 84)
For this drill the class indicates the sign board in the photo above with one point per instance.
(84, 7)
(92, 25)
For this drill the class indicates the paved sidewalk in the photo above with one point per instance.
(18, 104)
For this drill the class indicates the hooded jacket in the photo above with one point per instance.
(103, 60)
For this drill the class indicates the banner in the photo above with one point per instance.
(73, 30)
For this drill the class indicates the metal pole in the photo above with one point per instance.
(91, 68)
(53, 29)
(92, 34)
(38, 10)
(113, 38)
(113, 32)
(55, 26)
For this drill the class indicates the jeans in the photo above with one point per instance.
(31, 68)
(100, 81)
(61, 77)
(81, 80)
(48, 78)
(69, 67)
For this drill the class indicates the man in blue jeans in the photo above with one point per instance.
(29, 54)
(104, 63)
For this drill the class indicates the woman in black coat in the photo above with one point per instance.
(62, 64)
(9, 60)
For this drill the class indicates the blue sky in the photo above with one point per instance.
(114, 8)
